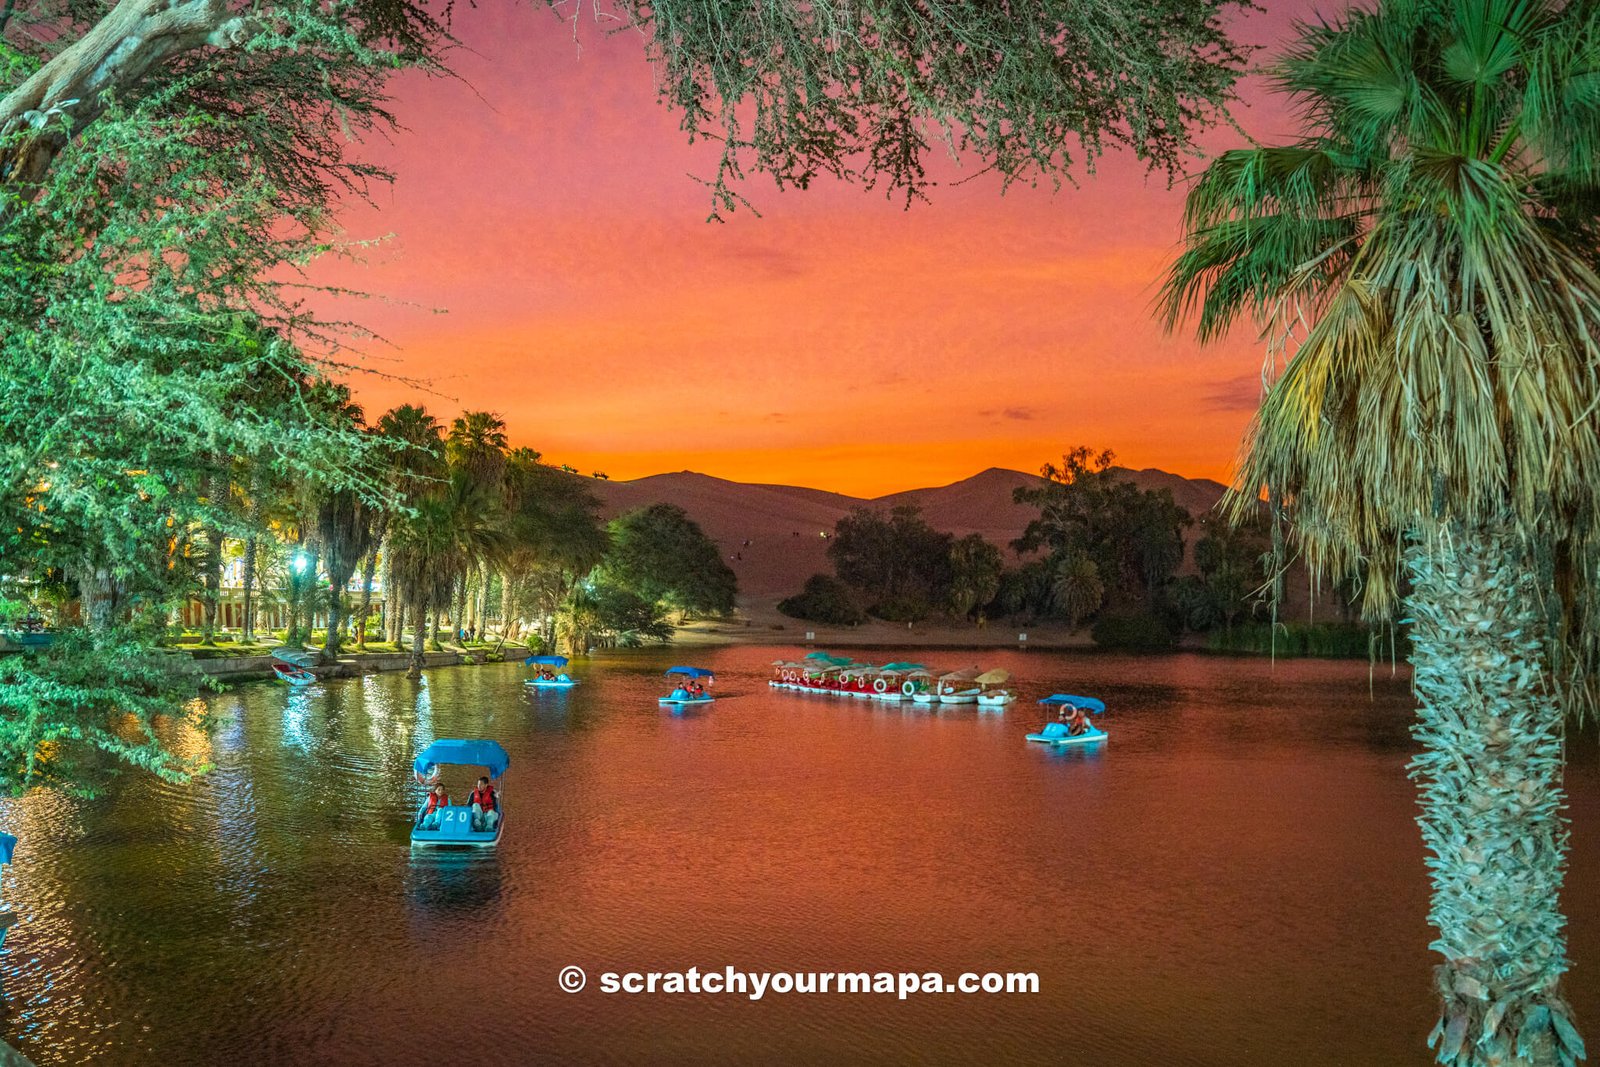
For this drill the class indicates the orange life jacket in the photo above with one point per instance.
(483, 797)
(436, 801)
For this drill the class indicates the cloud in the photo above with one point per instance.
(1236, 394)
(1015, 414)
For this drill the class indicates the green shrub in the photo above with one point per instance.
(1332, 640)
(907, 608)
(824, 599)
(1133, 633)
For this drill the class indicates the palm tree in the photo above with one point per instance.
(555, 535)
(344, 524)
(1076, 590)
(476, 446)
(413, 452)
(421, 544)
(1424, 252)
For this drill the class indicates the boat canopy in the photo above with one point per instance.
(690, 672)
(462, 753)
(904, 667)
(8, 845)
(293, 657)
(994, 677)
(547, 661)
(1089, 704)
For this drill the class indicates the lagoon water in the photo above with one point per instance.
(1234, 879)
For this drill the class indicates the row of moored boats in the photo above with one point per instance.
(821, 672)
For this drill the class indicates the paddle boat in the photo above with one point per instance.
(288, 672)
(958, 687)
(993, 694)
(683, 696)
(454, 823)
(555, 681)
(919, 687)
(886, 683)
(856, 681)
(1073, 708)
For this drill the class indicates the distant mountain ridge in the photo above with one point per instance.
(783, 524)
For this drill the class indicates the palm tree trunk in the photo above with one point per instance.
(419, 612)
(100, 598)
(1490, 777)
(330, 647)
(366, 593)
(248, 622)
(459, 612)
(395, 600)
(211, 586)
(396, 606)
(431, 613)
(505, 606)
(480, 612)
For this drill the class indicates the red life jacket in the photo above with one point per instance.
(436, 801)
(484, 797)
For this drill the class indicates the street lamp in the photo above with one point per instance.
(299, 562)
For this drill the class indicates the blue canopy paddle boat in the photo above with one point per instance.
(454, 823)
(556, 681)
(683, 696)
(8, 917)
(1061, 732)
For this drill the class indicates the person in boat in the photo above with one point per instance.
(485, 806)
(1077, 722)
(438, 799)
(545, 675)
(697, 690)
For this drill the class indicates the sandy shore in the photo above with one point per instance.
(758, 624)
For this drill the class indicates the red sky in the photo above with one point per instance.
(550, 261)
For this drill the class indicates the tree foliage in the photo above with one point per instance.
(1434, 231)
(1089, 513)
(901, 565)
(824, 599)
(661, 554)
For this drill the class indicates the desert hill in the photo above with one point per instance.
(783, 525)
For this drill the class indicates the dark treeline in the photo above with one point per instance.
(1102, 552)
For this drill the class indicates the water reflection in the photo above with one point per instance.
(1242, 822)
(450, 882)
(296, 710)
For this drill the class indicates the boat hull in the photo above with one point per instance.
(539, 683)
(676, 702)
(1090, 737)
(455, 830)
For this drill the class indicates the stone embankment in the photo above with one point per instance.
(248, 668)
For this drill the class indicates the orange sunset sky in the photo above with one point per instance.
(548, 259)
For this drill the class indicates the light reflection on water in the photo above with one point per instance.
(1234, 878)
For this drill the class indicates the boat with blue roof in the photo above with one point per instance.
(446, 824)
(550, 675)
(690, 689)
(1072, 725)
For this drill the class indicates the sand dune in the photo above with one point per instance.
(783, 524)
